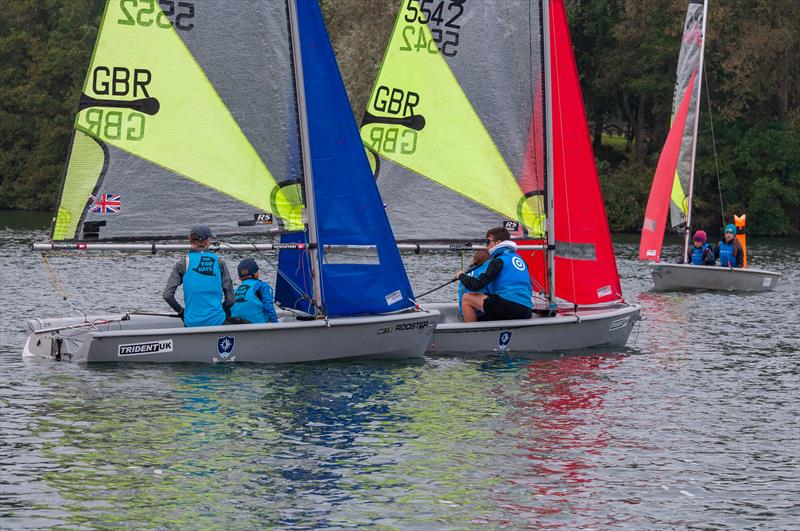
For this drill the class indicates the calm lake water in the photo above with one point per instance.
(694, 425)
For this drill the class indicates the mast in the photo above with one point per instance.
(548, 106)
(688, 228)
(308, 183)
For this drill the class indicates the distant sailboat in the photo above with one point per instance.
(234, 116)
(674, 179)
(476, 121)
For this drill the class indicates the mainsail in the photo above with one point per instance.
(456, 115)
(458, 118)
(172, 106)
(672, 183)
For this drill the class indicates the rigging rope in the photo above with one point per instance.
(714, 145)
(57, 284)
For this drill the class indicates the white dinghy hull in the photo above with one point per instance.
(155, 339)
(593, 327)
(684, 277)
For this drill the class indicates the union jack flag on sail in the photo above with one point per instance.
(106, 204)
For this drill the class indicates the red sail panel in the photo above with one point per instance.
(585, 267)
(655, 216)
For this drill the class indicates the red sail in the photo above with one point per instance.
(585, 267)
(655, 217)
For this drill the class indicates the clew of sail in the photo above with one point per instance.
(368, 277)
(689, 59)
(456, 117)
(655, 217)
(176, 126)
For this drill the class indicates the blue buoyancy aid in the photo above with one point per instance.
(202, 290)
(697, 254)
(254, 302)
(474, 273)
(513, 283)
(727, 254)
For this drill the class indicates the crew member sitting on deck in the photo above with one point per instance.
(507, 280)
(254, 298)
(702, 253)
(480, 261)
(729, 250)
(207, 286)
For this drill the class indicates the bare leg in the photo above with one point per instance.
(471, 302)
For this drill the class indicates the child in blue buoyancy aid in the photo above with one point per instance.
(254, 297)
(729, 250)
(701, 253)
(480, 261)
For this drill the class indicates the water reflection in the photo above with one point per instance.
(695, 426)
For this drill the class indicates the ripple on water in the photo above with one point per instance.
(693, 425)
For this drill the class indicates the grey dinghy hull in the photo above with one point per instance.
(156, 339)
(681, 277)
(593, 327)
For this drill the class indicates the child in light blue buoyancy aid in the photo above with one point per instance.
(254, 297)
(480, 261)
(729, 250)
(701, 253)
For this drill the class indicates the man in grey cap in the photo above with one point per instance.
(207, 287)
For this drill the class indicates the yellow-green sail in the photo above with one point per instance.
(422, 122)
(175, 152)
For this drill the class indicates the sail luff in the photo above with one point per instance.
(550, 178)
(308, 174)
(688, 227)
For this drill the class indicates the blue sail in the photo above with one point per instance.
(348, 206)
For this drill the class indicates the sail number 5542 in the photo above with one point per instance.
(441, 17)
(145, 13)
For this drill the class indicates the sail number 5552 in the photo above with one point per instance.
(145, 13)
(441, 17)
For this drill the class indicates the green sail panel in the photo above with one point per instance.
(689, 61)
(460, 146)
(171, 138)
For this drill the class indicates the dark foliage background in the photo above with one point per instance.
(626, 52)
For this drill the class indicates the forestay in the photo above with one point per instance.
(187, 116)
(456, 116)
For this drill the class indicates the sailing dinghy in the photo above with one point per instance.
(476, 120)
(231, 116)
(674, 179)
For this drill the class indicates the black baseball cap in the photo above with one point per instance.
(200, 233)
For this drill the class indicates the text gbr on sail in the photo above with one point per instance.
(118, 81)
(393, 137)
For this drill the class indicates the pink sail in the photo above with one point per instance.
(655, 217)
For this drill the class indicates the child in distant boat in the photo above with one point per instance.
(701, 253)
(254, 297)
(729, 250)
(479, 264)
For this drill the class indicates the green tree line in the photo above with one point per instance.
(626, 51)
